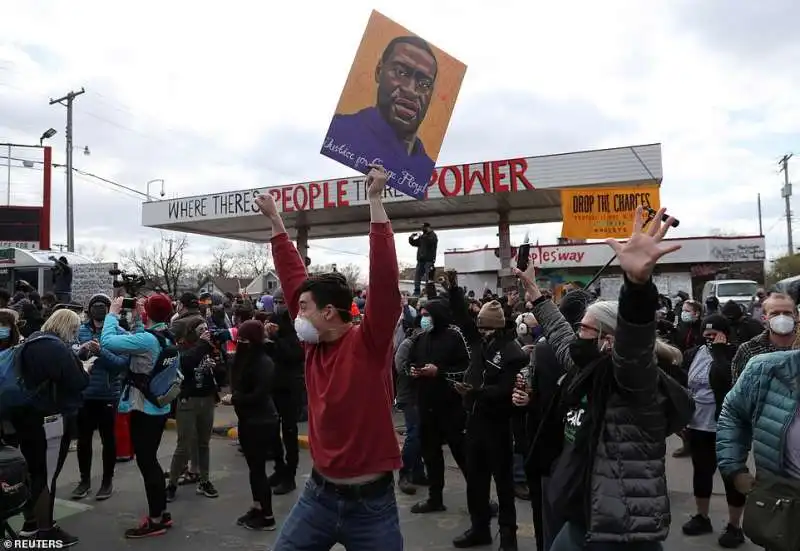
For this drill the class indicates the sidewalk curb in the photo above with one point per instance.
(232, 432)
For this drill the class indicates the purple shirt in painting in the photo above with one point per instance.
(365, 138)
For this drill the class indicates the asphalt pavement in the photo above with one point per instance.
(202, 523)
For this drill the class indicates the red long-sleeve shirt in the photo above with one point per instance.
(349, 381)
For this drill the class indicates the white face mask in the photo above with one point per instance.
(306, 331)
(781, 325)
(687, 317)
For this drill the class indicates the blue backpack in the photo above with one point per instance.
(14, 393)
(162, 385)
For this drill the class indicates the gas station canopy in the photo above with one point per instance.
(520, 191)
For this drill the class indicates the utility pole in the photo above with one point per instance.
(786, 193)
(67, 101)
(760, 220)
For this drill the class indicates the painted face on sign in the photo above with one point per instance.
(405, 78)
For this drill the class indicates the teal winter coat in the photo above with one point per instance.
(759, 409)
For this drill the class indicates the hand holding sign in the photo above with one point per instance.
(376, 182)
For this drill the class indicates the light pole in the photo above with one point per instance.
(47, 134)
(157, 180)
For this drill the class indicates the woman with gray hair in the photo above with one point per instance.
(609, 484)
(51, 368)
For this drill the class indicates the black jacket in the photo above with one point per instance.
(720, 376)
(50, 359)
(494, 364)
(426, 244)
(443, 346)
(252, 380)
(626, 488)
(286, 352)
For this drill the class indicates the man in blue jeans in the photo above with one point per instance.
(349, 498)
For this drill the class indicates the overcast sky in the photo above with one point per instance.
(214, 98)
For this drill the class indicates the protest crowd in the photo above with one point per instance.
(565, 404)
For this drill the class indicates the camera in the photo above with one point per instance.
(132, 283)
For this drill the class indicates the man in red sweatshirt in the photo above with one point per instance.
(349, 498)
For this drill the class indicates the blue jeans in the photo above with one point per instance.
(320, 519)
(572, 538)
(519, 469)
(412, 447)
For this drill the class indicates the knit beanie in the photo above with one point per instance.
(491, 316)
(252, 331)
(99, 297)
(158, 308)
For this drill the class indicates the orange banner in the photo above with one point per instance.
(600, 213)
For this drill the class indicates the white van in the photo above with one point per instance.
(741, 291)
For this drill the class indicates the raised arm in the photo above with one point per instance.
(383, 302)
(289, 266)
(635, 368)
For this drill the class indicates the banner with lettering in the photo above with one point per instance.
(600, 213)
(395, 106)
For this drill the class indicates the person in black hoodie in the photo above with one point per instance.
(494, 363)
(546, 434)
(438, 359)
(287, 354)
(709, 378)
(49, 365)
(252, 379)
(743, 328)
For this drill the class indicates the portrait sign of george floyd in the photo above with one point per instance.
(600, 213)
(395, 106)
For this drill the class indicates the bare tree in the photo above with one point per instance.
(162, 262)
(95, 253)
(222, 260)
(351, 272)
(251, 260)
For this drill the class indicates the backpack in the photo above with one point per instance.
(14, 490)
(162, 385)
(13, 391)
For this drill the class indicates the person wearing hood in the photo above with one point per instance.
(780, 317)
(711, 305)
(252, 379)
(438, 359)
(546, 432)
(284, 348)
(100, 397)
(267, 304)
(30, 316)
(495, 360)
(743, 327)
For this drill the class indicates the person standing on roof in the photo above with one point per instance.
(349, 497)
(426, 244)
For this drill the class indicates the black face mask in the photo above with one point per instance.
(98, 312)
(584, 351)
(709, 341)
(280, 309)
